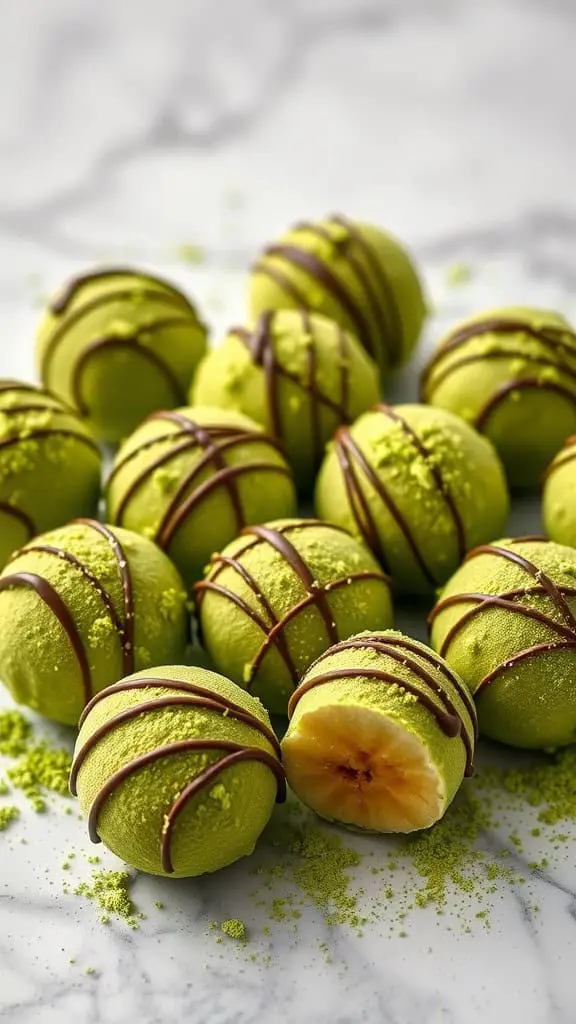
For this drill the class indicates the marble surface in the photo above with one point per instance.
(128, 131)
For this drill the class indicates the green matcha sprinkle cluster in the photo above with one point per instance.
(7, 816)
(110, 891)
(235, 929)
(14, 733)
(41, 768)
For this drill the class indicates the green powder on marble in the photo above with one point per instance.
(7, 816)
(110, 891)
(193, 254)
(549, 785)
(457, 274)
(14, 733)
(4, 787)
(235, 929)
(41, 768)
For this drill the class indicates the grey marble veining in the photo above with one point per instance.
(127, 130)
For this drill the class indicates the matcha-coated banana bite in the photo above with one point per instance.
(191, 479)
(350, 271)
(506, 622)
(279, 595)
(381, 734)
(82, 606)
(298, 375)
(177, 770)
(118, 343)
(418, 486)
(49, 465)
(511, 373)
(559, 496)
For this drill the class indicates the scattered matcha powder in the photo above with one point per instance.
(41, 768)
(235, 929)
(14, 733)
(7, 816)
(194, 254)
(458, 273)
(109, 890)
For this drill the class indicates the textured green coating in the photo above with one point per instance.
(212, 522)
(527, 425)
(533, 702)
(37, 662)
(231, 377)
(393, 304)
(558, 498)
(49, 466)
(156, 340)
(221, 823)
(469, 469)
(447, 754)
(233, 639)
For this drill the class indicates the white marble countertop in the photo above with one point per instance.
(129, 130)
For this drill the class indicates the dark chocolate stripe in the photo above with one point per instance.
(15, 385)
(436, 474)
(22, 517)
(482, 357)
(548, 337)
(350, 456)
(35, 435)
(205, 778)
(68, 294)
(283, 281)
(567, 454)
(157, 683)
(521, 656)
(54, 602)
(520, 384)
(128, 625)
(20, 410)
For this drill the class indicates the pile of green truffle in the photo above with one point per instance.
(177, 767)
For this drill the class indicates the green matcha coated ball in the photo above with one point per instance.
(558, 498)
(418, 486)
(82, 606)
(177, 770)
(511, 373)
(193, 478)
(506, 622)
(279, 595)
(49, 465)
(354, 273)
(298, 375)
(117, 344)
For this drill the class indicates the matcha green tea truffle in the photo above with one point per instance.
(559, 497)
(279, 595)
(354, 273)
(82, 606)
(506, 622)
(117, 344)
(419, 486)
(191, 479)
(298, 375)
(49, 465)
(511, 373)
(177, 770)
(381, 734)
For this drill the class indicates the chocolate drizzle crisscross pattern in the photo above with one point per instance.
(435, 697)
(355, 465)
(147, 287)
(182, 695)
(260, 345)
(567, 454)
(215, 441)
(563, 627)
(273, 627)
(376, 318)
(23, 434)
(559, 342)
(123, 625)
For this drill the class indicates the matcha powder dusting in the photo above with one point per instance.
(110, 891)
(41, 768)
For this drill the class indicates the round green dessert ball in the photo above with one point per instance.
(511, 373)
(279, 595)
(418, 486)
(117, 344)
(82, 606)
(49, 465)
(350, 271)
(191, 479)
(177, 770)
(298, 375)
(506, 622)
(381, 734)
(558, 504)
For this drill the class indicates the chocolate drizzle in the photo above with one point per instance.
(215, 440)
(22, 517)
(449, 719)
(54, 602)
(510, 601)
(566, 455)
(557, 341)
(271, 625)
(194, 697)
(260, 344)
(353, 462)
(385, 329)
(21, 434)
(126, 627)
